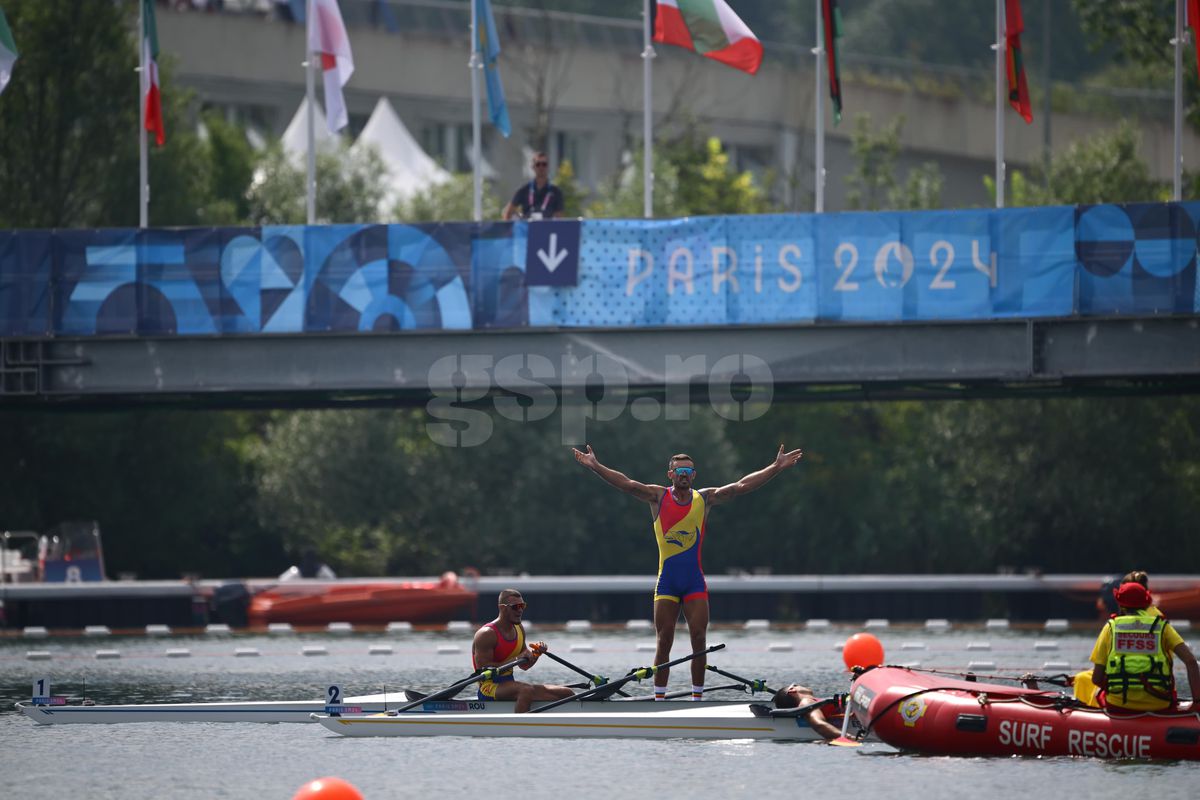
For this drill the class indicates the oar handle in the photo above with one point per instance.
(634, 675)
(475, 677)
(757, 685)
(594, 680)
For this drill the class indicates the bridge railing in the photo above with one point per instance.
(1088, 261)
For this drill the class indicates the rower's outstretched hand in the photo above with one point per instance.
(588, 458)
(784, 460)
(537, 648)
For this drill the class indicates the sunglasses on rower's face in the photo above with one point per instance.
(541, 163)
(515, 606)
(685, 472)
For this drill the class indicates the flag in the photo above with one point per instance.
(710, 28)
(832, 19)
(153, 98)
(8, 52)
(488, 45)
(1193, 20)
(327, 39)
(1018, 89)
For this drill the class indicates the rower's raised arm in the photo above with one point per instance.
(618, 480)
(749, 483)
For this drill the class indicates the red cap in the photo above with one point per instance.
(1132, 595)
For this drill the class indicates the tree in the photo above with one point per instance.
(451, 201)
(692, 177)
(1105, 168)
(873, 185)
(349, 187)
(69, 125)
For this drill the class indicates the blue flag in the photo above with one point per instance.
(488, 46)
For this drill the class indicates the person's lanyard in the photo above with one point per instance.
(545, 197)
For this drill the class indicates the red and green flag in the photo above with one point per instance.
(8, 52)
(831, 18)
(1018, 89)
(153, 99)
(1193, 18)
(710, 28)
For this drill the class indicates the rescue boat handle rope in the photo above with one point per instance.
(1059, 679)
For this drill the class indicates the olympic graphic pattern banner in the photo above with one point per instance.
(869, 267)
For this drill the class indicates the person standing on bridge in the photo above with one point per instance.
(680, 515)
(538, 199)
(503, 640)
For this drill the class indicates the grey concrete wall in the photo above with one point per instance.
(255, 62)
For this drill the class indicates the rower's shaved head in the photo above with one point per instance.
(507, 593)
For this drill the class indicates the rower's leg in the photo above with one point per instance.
(695, 611)
(666, 611)
(524, 697)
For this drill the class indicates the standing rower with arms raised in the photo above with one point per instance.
(503, 640)
(680, 515)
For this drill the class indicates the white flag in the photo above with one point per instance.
(328, 40)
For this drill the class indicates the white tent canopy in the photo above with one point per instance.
(410, 169)
(295, 138)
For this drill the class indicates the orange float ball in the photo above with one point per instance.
(862, 650)
(328, 789)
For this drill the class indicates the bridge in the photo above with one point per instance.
(607, 315)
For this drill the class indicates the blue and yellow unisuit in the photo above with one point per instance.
(679, 529)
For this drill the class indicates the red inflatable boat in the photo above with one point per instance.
(378, 603)
(932, 713)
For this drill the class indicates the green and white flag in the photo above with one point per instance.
(8, 52)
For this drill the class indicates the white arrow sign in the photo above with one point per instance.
(555, 257)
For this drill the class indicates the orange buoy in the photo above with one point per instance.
(329, 788)
(862, 650)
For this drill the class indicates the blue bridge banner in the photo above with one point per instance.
(863, 267)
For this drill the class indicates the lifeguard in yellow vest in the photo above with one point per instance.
(680, 515)
(1133, 655)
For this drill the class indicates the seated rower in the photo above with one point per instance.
(1133, 655)
(503, 640)
(797, 696)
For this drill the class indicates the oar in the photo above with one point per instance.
(595, 680)
(449, 691)
(844, 740)
(608, 689)
(758, 685)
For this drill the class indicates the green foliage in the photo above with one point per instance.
(872, 184)
(349, 187)
(451, 201)
(68, 119)
(170, 489)
(573, 194)
(692, 177)
(232, 171)
(1105, 168)
(69, 129)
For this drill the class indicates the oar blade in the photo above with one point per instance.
(843, 741)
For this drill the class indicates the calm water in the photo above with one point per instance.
(205, 760)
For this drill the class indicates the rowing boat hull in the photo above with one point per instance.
(734, 721)
(302, 710)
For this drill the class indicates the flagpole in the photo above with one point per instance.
(477, 146)
(143, 145)
(819, 102)
(647, 123)
(1001, 55)
(310, 182)
(1178, 42)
